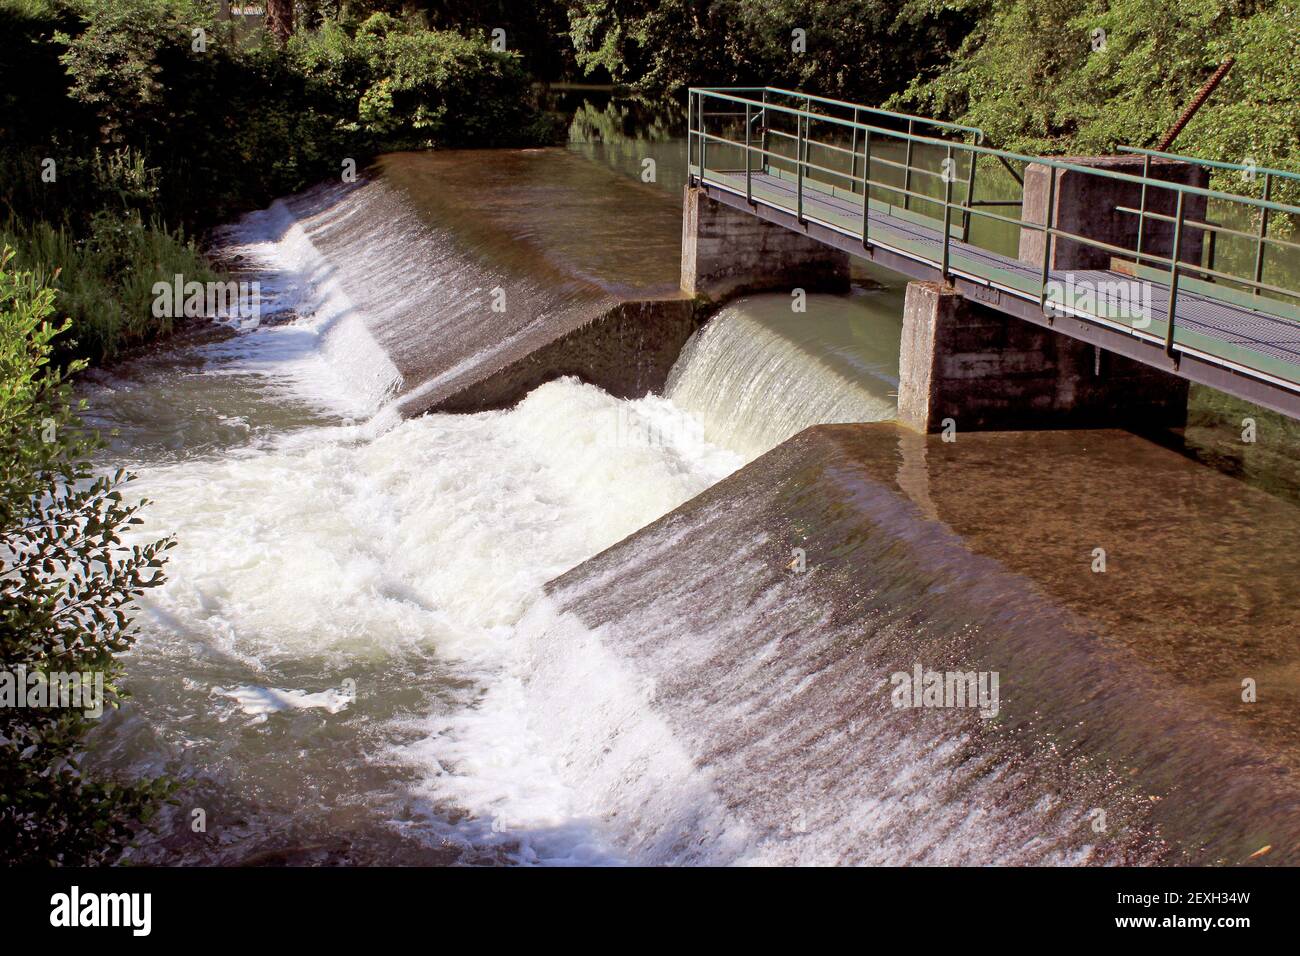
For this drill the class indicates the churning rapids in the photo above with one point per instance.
(349, 585)
(567, 631)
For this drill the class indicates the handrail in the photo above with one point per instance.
(979, 133)
(812, 97)
(1174, 264)
(1018, 157)
(1212, 163)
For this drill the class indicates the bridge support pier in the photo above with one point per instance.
(1089, 206)
(726, 252)
(982, 369)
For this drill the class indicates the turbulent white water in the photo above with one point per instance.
(430, 540)
(351, 609)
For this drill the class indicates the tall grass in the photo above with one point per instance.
(104, 282)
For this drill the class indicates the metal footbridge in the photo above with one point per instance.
(1203, 290)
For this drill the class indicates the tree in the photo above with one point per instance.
(68, 585)
(279, 18)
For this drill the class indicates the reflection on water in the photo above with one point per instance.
(1199, 566)
(622, 134)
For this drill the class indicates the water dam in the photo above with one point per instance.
(657, 613)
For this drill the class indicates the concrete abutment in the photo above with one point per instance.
(727, 252)
(984, 369)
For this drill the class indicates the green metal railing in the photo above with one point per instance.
(859, 139)
(1261, 237)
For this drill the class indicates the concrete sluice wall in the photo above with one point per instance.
(761, 725)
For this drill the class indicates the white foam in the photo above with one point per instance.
(431, 538)
(325, 353)
(758, 372)
(260, 701)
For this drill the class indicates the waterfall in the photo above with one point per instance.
(759, 372)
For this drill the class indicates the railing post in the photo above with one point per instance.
(1173, 276)
(907, 167)
(763, 138)
(704, 136)
(798, 166)
(866, 185)
(1049, 222)
(690, 134)
(947, 213)
(853, 149)
(807, 129)
(1142, 207)
(749, 185)
(1263, 233)
(970, 194)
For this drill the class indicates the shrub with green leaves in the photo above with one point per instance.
(400, 85)
(68, 584)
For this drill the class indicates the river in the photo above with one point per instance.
(332, 671)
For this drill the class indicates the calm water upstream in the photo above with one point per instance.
(332, 670)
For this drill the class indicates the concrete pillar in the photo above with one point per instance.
(1086, 206)
(726, 252)
(987, 370)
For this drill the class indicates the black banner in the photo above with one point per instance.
(266, 906)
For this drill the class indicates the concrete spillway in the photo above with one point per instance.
(743, 709)
(449, 282)
(709, 674)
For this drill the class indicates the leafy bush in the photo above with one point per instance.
(400, 85)
(856, 49)
(67, 590)
(233, 125)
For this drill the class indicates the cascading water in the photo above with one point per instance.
(356, 658)
(760, 372)
(343, 576)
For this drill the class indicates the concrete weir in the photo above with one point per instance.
(766, 622)
(628, 350)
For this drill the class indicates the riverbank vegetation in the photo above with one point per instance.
(68, 584)
(129, 124)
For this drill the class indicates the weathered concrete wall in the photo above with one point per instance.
(627, 350)
(726, 252)
(1086, 206)
(986, 370)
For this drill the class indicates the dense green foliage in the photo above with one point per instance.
(1035, 76)
(126, 121)
(103, 281)
(396, 85)
(228, 123)
(860, 49)
(67, 588)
